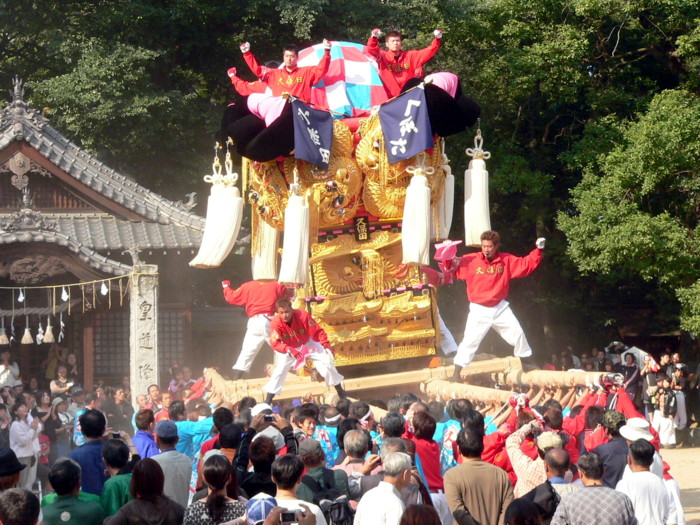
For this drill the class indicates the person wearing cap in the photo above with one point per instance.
(295, 335)
(77, 404)
(9, 370)
(651, 501)
(258, 298)
(69, 505)
(177, 467)
(614, 452)
(10, 469)
(318, 477)
(530, 472)
(595, 503)
(258, 508)
(638, 428)
(480, 488)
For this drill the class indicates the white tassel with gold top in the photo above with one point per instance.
(264, 257)
(476, 193)
(295, 248)
(444, 207)
(224, 215)
(415, 230)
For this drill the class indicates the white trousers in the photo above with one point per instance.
(665, 427)
(257, 333)
(448, 345)
(284, 363)
(440, 505)
(480, 320)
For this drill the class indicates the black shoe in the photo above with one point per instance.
(236, 374)
(268, 398)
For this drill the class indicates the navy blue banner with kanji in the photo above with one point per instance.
(406, 125)
(313, 134)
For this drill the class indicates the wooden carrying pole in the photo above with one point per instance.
(544, 378)
(436, 388)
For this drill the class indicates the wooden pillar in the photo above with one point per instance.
(143, 328)
(88, 352)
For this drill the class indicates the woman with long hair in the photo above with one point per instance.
(218, 507)
(149, 506)
(24, 441)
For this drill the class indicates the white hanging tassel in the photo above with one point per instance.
(295, 250)
(63, 327)
(40, 333)
(48, 336)
(12, 326)
(224, 215)
(415, 231)
(64, 294)
(104, 289)
(27, 337)
(3, 335)
(476, 194)
(20, 297)
(445, 206)
(265, 261)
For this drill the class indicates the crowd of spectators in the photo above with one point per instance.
(89, 458)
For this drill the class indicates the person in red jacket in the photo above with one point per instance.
(487, 274)
(396, 66)
(296, 336)
(259, 298)
(296, 81)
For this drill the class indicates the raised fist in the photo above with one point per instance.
(245, 47)
(226, 284)
(326, 44)
(232, 72)
(540, 243)
(295, 353)
(376, 32)
(437, 33)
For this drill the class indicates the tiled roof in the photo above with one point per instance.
(166, 225)
(18, 121)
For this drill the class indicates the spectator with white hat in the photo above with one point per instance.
(638, 428)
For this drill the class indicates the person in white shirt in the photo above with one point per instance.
(383, 504)
(24, 433)
(651, 501)
(286, 474)
(9, 370)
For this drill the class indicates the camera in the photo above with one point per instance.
(115, 435)
(269, 418)
(288, 518)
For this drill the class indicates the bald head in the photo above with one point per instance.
(557, 462)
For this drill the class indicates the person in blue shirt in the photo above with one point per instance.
(92, 402)
(190, 433)
(89, 455)
(143, 440)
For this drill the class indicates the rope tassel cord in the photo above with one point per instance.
(476, 193)
(415, 238)
(224, 216)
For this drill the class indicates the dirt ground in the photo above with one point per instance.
(685, 466)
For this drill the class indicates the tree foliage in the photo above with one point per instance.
(589, 110)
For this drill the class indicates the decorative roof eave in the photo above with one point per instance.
(20, 122)
(87, 255)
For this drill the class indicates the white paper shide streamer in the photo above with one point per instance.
(224, 215)
(415, 230)
(476, 193)
(264, 261)
(295, 248)
(444, 207)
